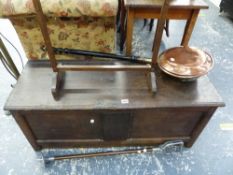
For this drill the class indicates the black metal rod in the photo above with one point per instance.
(134, 59)
(89, 53)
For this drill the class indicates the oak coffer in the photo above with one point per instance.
(109, 108)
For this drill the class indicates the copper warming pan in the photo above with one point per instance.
(186, 63)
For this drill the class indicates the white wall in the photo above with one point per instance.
(7, 29)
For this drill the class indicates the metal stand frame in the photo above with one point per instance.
(7, 61)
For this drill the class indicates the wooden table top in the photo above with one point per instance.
(184, 4)
(105, 90)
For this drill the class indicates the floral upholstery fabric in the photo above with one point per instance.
(76, 24)
(74, 8)
(85, 33)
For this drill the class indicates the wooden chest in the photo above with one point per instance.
(109, 108)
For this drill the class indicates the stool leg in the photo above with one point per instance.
(144, 22)
(118, 16)
(167, 28)
(123, 22)
(151, 24)
(189, 27)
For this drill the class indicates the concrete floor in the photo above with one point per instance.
(212, 153)
(216, 2)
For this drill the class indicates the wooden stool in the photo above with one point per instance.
(143, 9)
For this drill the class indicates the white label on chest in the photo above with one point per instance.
(124, 101)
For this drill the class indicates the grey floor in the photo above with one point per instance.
(211, 154)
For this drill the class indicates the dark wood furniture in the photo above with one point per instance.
(227, 6)
(178, 10)
(109, 108)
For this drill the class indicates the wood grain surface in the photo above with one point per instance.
(105, 90)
